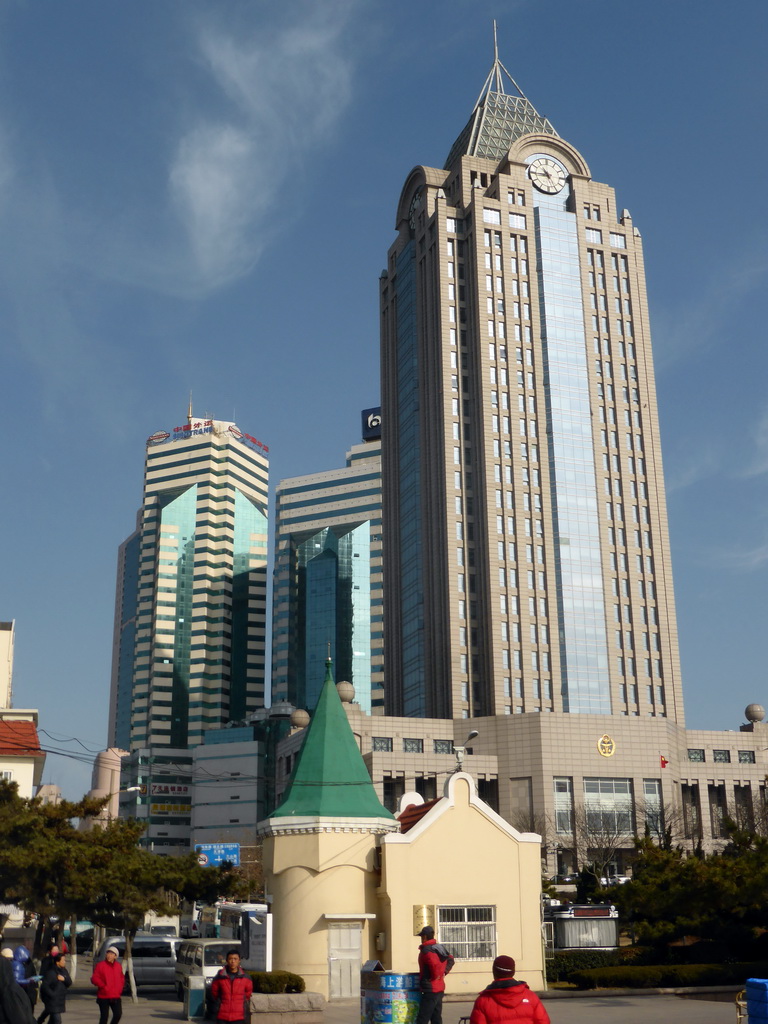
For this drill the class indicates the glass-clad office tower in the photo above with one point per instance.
(527, 559)
(328, 580)
(190, 613)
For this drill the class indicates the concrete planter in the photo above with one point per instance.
(287, 1008)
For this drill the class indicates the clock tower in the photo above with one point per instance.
(526, 545)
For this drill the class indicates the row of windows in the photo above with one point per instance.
(721, 756)
(595, 235)
(411, 745)
(597, 280)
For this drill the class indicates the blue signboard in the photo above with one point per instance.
(213, 854)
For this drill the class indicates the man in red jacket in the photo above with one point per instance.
(231, 990)
(432, 970)
(506, 999)
(108, 978)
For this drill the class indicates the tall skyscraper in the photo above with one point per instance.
(328, 578)
(526, 545)
(190, 619)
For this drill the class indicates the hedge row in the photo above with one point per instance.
(276, 981)
(667, 975)
(567, 961)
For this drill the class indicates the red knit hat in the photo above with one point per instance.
(504, 965)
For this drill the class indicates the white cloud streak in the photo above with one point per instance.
(758, 463)
(701, 323)
(285, 91)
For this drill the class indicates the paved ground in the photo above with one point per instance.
(156, 1006)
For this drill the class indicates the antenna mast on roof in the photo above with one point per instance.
(494, 82)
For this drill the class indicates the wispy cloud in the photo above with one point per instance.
(286, 89)
(212, 183)
(706, 463)
(748, 559)
(699, 323)
(250, 100)
(757, 463)
(6, 164)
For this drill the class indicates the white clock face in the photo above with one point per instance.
(547, 175)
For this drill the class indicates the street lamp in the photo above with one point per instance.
(461, 751)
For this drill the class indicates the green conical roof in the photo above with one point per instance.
(330, 778)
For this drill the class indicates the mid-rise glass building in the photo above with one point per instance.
(190, 615)
(190, 618)
(328, 585)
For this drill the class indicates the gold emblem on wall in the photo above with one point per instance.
(606, 746)
(422, 916)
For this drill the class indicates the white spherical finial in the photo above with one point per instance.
(299, 718)
(346, 691)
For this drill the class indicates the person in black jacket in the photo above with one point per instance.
(46, 964)
(53, 989)
(14, 1005)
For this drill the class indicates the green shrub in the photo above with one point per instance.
(567, 961)
(638, 956)
(276, 981)
(701, 952)
(667, 975)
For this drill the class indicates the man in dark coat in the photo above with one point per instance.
(45, 965)
(506, 1000)
(14, 1005)
(53, 989)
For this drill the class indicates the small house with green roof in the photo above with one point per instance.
(349, 882)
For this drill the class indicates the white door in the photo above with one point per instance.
(344, 959)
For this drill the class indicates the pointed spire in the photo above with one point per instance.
(330, 778)
(189, 408)
(498, 118)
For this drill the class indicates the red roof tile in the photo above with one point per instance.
(19, 739)
(413, 814)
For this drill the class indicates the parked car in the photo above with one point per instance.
(154, 957)
(201, 958)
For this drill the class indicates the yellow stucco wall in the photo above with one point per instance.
(464, 856)
(308, 877)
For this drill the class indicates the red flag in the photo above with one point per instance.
(664, 761)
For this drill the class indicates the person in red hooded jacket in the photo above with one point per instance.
(506, 999)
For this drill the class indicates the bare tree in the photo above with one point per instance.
(526, 820)
(599, 834)
(665, 826)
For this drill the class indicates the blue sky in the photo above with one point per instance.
(200, 196)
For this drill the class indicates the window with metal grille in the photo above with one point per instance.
(468, 932)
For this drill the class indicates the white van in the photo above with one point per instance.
(202, 958)
(154, 957)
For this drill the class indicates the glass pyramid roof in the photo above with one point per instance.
(499, 118)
